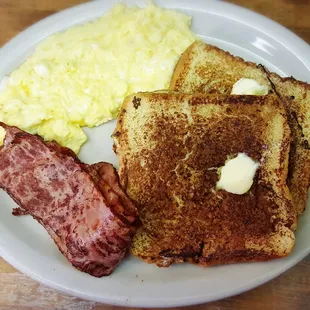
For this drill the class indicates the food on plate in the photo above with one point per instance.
(212, 171)
(82, 207)
(171, 148)
(80, 77)
(207, 69)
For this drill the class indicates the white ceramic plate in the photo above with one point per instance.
(27, 246)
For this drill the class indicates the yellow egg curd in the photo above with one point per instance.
(80, 77)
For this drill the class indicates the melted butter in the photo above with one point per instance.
(237, 175)
(249, 87)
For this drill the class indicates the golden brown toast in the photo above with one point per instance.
(204, 68)
(170, 146)
(296, 96)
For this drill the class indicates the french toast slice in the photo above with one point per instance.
(170, 146)
(204, 68)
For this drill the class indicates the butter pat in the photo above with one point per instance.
(2, 135)
(249, 87)
(237, 175)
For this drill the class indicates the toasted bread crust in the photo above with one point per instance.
(296, 96)
(191, 74)
(178, 76)
(170, 146)
(218, 70)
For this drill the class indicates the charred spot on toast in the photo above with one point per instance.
(136, 102)
(306, 145)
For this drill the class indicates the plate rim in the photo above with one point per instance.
(260, 22)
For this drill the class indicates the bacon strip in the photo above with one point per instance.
(86, 217)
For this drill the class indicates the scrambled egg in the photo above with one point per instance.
(2, 135)
(81, 76)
